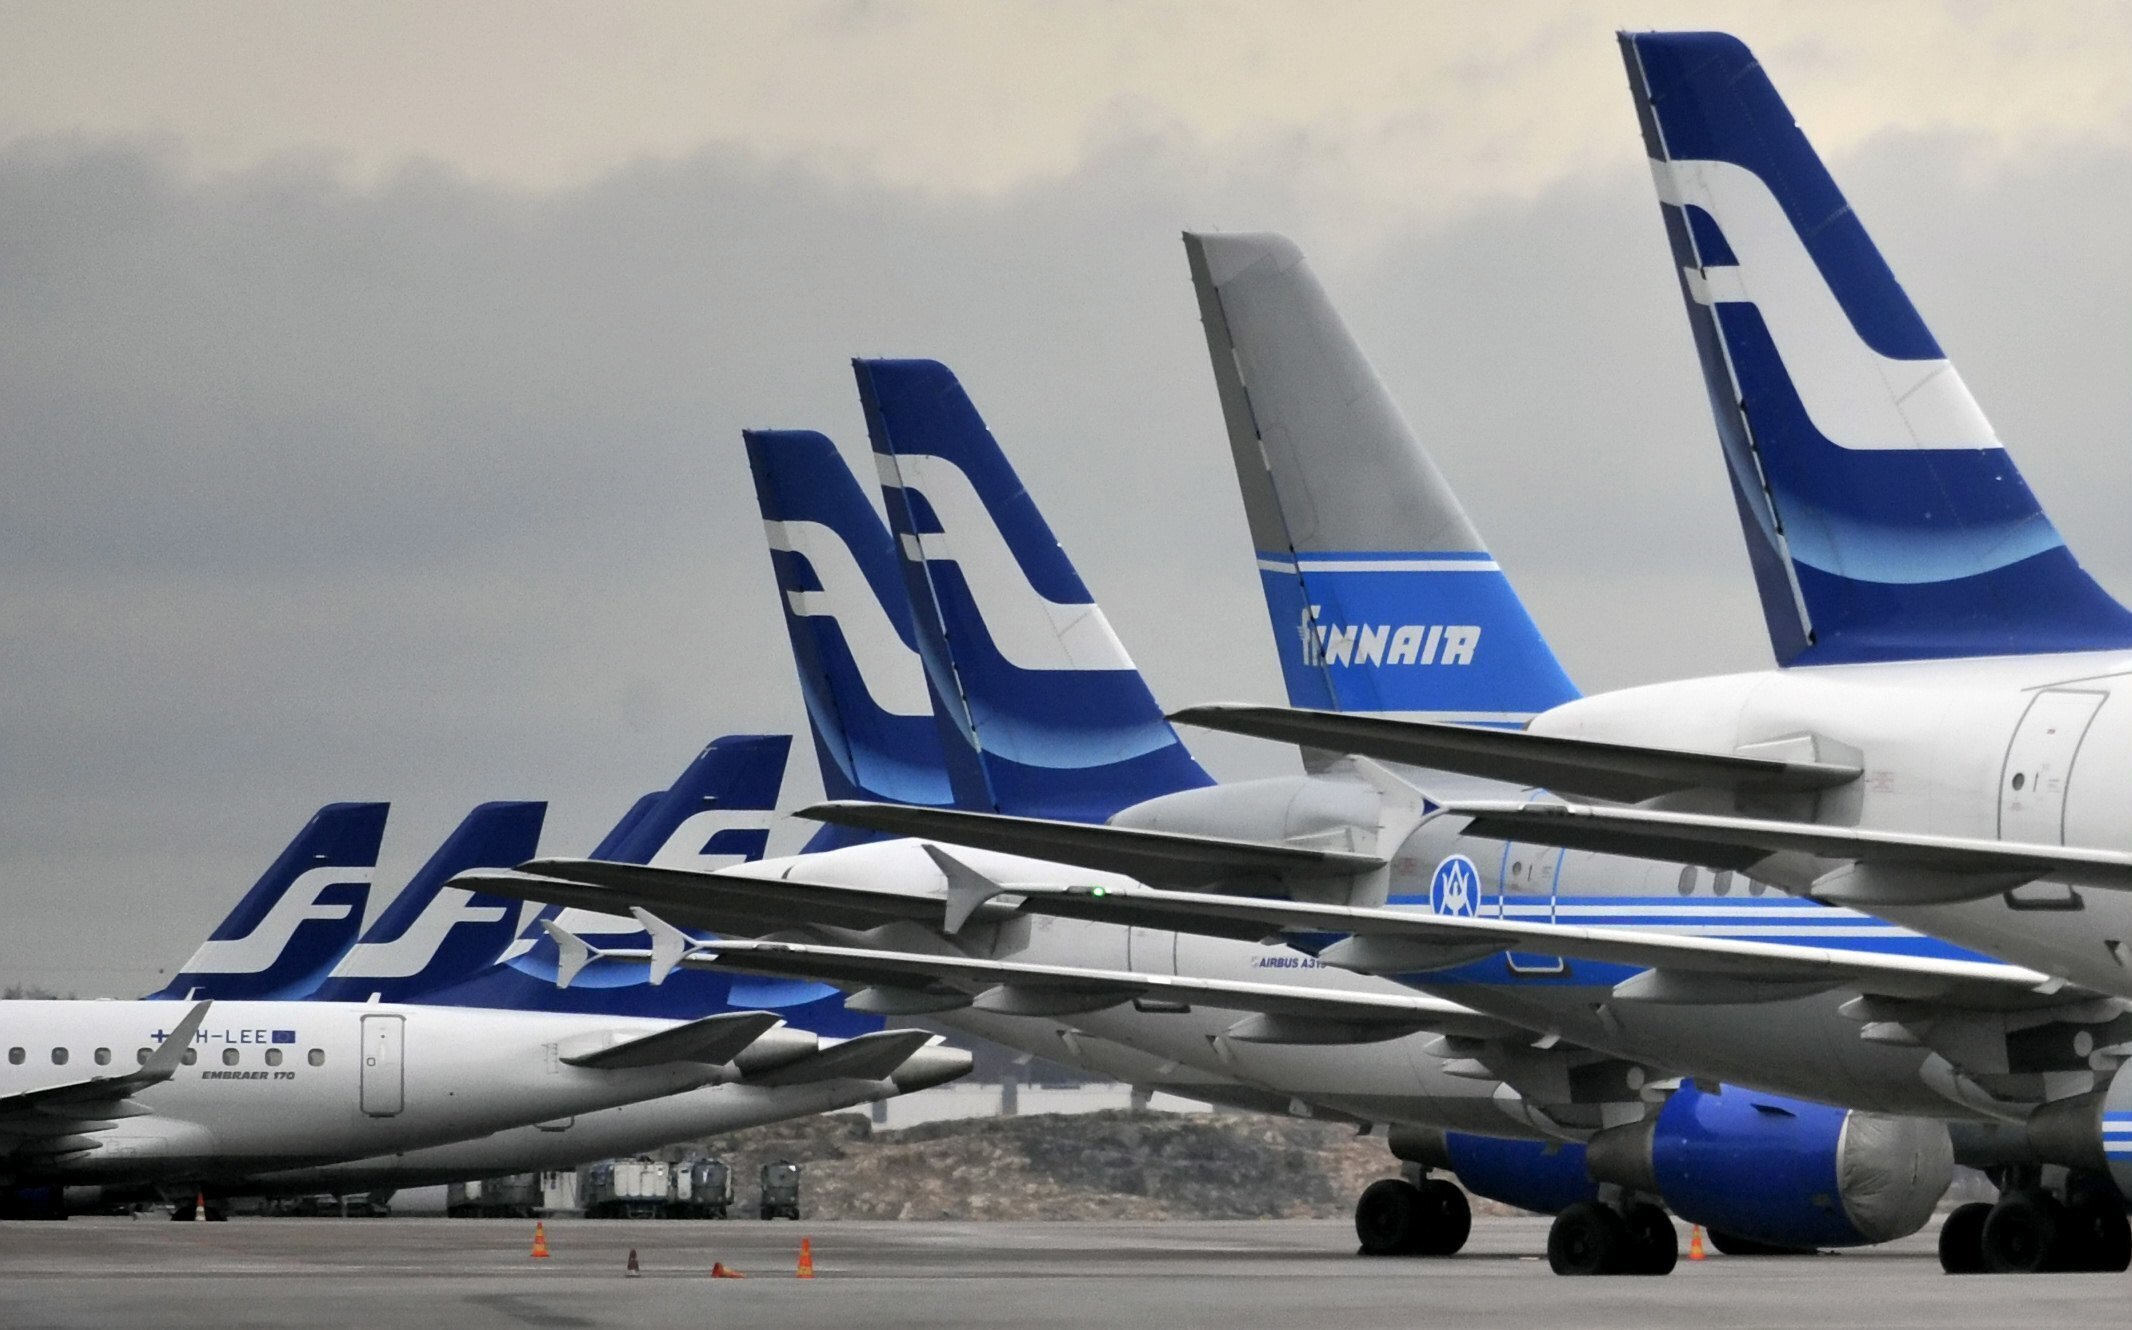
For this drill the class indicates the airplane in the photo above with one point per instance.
(904, 891)
(386, 1087)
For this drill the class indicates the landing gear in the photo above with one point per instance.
(1962, 1239)
(1592, 1238)
(2030, 1231)
(1400, 1218)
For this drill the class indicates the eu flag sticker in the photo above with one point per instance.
(284, 1036)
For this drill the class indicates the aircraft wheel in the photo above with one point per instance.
(1654, 1244)
(1391, 1218)
(2022, 1233)
(1448, 1219)
(1588, 1239)
(2095, 1236)
(1962, 1239)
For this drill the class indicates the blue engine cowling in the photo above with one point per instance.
(1544, 1176)
(1781, 1171)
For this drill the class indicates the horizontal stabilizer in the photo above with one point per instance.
(720, 902)
(869, 1057)
(1927, 869)
(1622, 772)
(713, 1041)
(1151, 856)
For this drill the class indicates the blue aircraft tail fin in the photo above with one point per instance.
(1884, 518)
(868, 703)
(717, 814)
(1050, 704)
(433, 935)
(298, 920)
(618, 834)
(1382, 596)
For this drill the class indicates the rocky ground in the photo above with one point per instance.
(1115, 1165)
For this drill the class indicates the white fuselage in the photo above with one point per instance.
(1393, 1080)
(2034, 749)
(292, 1084)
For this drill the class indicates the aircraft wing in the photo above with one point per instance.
(32, 1117)
(713, 1040)
(1013, 986)
(721, 902)
(1621, 772)
(1890, 867)
(1151, 856)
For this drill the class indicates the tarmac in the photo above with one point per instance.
(473, 1274)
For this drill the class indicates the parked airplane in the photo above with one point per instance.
(899, 884)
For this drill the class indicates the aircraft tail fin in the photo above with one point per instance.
(1037, 686)
(1382, 595)
(1884, 518)
(434, 935)
(298, 919)
(868, 703)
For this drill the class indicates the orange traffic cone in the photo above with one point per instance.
(540, 1241)
(632, 1270)
(719, 1271)
(1695, 1243)
(199, 1207)
(806, 1268)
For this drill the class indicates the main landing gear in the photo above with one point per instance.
(1594, 1238)
(1396, 1217)
(2030, 1231)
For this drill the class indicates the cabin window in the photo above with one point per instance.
(1722, 884)
(192, 1055)
(15, 1056)
(140, 1055)
(1756, 886)
(317, 1057)
(103, 1057)
(1687, 881)
(2019, 780)
(229, 1057)
(273, 1057)
(59, 1057)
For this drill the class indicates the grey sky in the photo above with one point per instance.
(373, 378)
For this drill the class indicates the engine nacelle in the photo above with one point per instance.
(1782, 1171)
(1543, 1176)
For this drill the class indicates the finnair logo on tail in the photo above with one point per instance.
(1856, 397)
(411, 952)
(258, 950)
(887, 666)
(685, 848)
(1386, 644)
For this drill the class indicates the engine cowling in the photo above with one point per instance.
(1782, 1171)
(1543, 1176)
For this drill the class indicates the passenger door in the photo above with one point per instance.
(384, 1081)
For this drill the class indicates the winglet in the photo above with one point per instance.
(170, 1054)
(572, 953)
(967, 888)
(668, 944)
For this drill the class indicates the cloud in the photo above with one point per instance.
(430, 488)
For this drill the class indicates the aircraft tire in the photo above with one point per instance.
(2095, 1237)
(1654, 1244)
(1447, 1218)
(1391, 1218)
(1588, 1239)
(2022, 1234)
(1962, 1239)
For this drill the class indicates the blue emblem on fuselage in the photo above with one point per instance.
(1456, 887)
